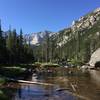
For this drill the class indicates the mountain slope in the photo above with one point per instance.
(79, 41)
(75, 44)
(86, 22)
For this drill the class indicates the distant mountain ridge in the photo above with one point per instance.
(37, 38)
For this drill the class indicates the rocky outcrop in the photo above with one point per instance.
(87, 21)
(95, 57)
(80, 26)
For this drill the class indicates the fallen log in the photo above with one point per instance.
(28, 82)
(73, 87)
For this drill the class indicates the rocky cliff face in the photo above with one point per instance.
(84, 23)
(87, 21)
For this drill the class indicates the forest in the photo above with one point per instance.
(13, 48)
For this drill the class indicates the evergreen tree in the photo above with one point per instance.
(0, 43)
(14, 46)
(2, 46)
(21, 48)
(9, 45)
(47, 46)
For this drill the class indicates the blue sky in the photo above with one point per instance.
(39, 15)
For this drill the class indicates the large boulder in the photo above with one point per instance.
(95, 58)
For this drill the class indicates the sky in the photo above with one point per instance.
(39, 15)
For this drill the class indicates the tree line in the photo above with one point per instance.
(14, 49)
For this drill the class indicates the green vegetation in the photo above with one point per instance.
(13, 72)
(2, 95)
(2, 80)
(5, 94)
(14, 49)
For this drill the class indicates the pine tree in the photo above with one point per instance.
(14, 46)
(21, 38)
(47, 46)
(2, 46)
(0, 43)
(21, 48)
(9, 45)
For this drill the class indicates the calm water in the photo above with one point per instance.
(73, 86)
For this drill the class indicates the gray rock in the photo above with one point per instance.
(95, 57)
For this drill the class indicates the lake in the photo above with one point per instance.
(66, 85)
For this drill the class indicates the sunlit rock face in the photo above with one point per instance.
(87, 22)
(95, 57)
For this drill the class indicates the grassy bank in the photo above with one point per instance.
(2, 94)
(14, 71)
(11, 71)
(6, 92)
(2, 80)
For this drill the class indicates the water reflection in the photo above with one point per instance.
(95, 75)
(34, 92)
(77, 86)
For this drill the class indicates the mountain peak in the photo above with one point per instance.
(97, 10)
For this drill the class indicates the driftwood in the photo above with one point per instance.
(73, 87)
(28, 82)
